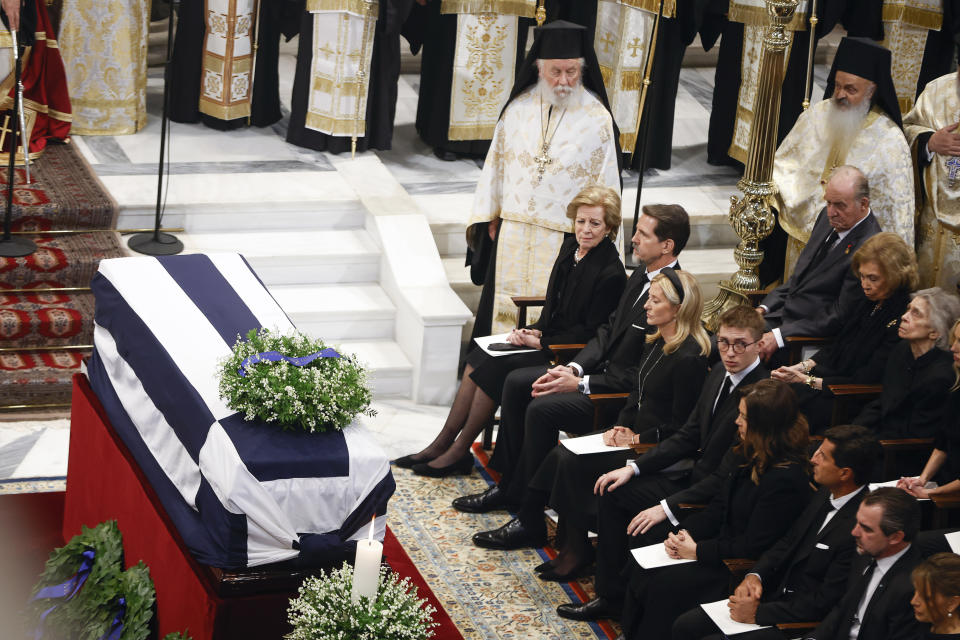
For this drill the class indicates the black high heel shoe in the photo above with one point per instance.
(461, 467)
(407, 462)
(543, 566)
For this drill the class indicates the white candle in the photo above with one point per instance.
(366, 567)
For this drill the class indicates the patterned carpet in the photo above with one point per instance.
(489, 595)
(65, 195)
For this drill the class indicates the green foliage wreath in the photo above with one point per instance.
(325, 394)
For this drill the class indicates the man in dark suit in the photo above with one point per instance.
(877, 601)
(822, 285)
(689, 465)
(537, 402)
(805, 573)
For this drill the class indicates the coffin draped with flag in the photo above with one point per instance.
(240, 493)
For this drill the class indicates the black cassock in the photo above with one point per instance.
(859, 18)
(382, 95)
(277, 17)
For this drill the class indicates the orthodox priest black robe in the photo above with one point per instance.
(276, 18)
(382, 94)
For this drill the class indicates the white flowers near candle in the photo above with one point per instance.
(366, 567)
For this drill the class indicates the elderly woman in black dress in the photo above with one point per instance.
(918, 375)
(887, 269)
(944, 463)
(759, 501)
(671, 374)
(584, 287)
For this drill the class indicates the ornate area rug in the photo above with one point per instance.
(489, 595)
(64, 195)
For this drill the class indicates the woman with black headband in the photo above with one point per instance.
(672, 371)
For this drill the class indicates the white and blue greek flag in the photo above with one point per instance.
(240, 493)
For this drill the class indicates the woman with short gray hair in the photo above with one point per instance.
(918, 376)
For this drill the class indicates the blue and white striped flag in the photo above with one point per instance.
(240, 493)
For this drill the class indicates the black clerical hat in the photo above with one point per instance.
(865, 58)
(559, 40)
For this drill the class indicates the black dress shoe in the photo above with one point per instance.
(407, 462)
(578, 572)
(490, 500)
(544, 566)
(512, 535)
(596, 609)
(461, 467)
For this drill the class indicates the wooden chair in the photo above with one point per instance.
(844, 394)
(901, 445)
(945, 505)
(796, 345)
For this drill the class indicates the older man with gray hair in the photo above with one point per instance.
(822, 285)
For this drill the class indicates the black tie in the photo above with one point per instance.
(825, 247)
(860, 591)
(724, 392)
(644, 279)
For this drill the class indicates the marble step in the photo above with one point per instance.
(208, 203)
(334, 312)
(298, 257)
(389, 369)
(710, 266)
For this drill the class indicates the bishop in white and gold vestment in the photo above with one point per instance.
(810, 152)
(539, 159)
(938, 181)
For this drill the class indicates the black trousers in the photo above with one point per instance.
(616, 509)
(657, 597)
(529, 428)
(695, 624)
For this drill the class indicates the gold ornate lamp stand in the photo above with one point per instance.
(751, 216)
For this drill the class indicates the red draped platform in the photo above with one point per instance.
(105, 483)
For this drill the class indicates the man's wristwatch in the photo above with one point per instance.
(580, 386)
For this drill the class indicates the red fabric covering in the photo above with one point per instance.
(104, 483)
(44, 88)
(403, 565)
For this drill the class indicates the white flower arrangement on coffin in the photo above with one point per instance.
(293, 381)
(324, 610)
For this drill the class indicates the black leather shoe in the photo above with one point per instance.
(490, 500)
(461, 467)
(407, 462)
(544, 566)
(578, 572)
(596, 609)
(512, 535)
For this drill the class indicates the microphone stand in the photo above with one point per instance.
(11, 247)
(159, 243)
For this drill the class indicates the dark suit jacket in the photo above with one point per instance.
(745, 519)
(612, 357)
(704, 438)
(804, 576)
(812, 301)
(579, 299)
(889, 615)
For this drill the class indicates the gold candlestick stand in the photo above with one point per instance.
(751, 216)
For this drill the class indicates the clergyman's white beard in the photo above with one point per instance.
(843, 125)
(558, 96)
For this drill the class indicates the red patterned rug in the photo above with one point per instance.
(65, 195)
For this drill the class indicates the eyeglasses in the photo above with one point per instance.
(738, 347)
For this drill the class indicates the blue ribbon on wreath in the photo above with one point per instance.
(65, 590)
(276, 356)
(116, 627)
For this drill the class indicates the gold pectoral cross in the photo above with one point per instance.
(542, 161)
